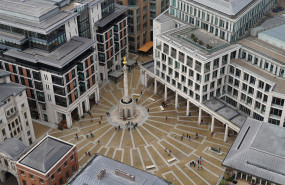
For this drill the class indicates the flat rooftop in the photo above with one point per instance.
(228, 7)
(26, 8)
(45, 154)
(259, 150)
(60, 57)
(182, 38)
(88, 174)
(119, 10)
(13, 147)
(264, 48)
(277, 83)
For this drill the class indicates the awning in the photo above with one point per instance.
(131, 62)
(146, 47)
(116, 74)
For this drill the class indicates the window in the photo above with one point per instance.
(59, 171)
(24, 182)
(65, 164)
(67, 175)
(22, 173)
(32, 177)
(71, 158)
(41, 181)
(52, 177)
(73, 169)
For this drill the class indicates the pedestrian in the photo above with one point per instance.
(101, 117)
(165, 149)
(166, 118)
(92, 135)
(86, 136)
(181, 138)
(89, 153)
(90, 131)
(147, 110)
(187, 135)
(194, 164)
(201, 164)
(200, 159)
(76, 136)
(98, 141)
(99, 122)
(129, 129)
(137, 100)
(86, 153)
(141, 92)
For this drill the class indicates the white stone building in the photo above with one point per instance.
(228, 80)
(15, 119)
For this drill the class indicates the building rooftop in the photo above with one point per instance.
(259, 150)
(13, 147)
(88, 174)
(149, 66)
(45, 154)
(264, 48)
(27, 9)
(4, 73)
(276, 33)
(33, 15)
(9, 89)
(228, 7)
(59, 57)
(182, 38)
(119, 10)
(276, 83)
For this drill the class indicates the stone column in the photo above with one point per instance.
(80, 109)
(68, 120)
(176, 100)
(126, 97)
(165, 93)
(187, 109)
(155, 86)
(87, 104)
(145, 79)
(212, 124)
(226, 133)
(200, 116)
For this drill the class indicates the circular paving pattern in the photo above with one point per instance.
(148, 145)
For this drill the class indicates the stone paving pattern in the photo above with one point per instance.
(146, 144)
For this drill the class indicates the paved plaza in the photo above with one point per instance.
(145, 146)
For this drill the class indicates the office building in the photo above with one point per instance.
(141, 14)
(228, 80)
(51, 48)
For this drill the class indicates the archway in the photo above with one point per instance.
(8, 178)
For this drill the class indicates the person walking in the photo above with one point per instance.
(76, 136)
(86, 136)
(99, 122)
(166, 118)
(165, 149)
(101, 117)
(98, 141)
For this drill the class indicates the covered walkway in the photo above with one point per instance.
(215, 107)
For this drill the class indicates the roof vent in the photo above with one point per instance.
(22, 0)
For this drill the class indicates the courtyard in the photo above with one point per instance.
(144, 147)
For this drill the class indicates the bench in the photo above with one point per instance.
(136, 95)
(161, 107)
(171, 160)
(151, 99)
(149, 167)
(214, 151)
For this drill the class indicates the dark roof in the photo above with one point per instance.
(59, 57)
(88, 174)
(4, 73)
(13, 147)
(46, 154)
(259, 150)
(9, 89)
(119, 10)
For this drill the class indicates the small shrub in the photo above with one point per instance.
(223, 182)
(200, 42)
(208, 46)
(192, 35)
(195, 39)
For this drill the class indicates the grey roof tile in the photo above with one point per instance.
(13, 147)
